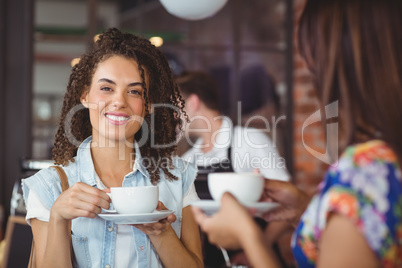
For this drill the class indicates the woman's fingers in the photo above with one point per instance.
(92, 195)
(153, 228)
(229, 199)
(107, 190)
(282, 192)
(85, 213)
(275, 188)
(292, 200)
(88, 207)
(223, 227)
(171, 218)
(199, 215)
(291, 215)
(277, 214)
(161, 206)
(81, 200)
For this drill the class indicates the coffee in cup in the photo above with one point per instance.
(134, 200)
(246, 187)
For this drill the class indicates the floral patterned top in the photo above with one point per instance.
(365, 185)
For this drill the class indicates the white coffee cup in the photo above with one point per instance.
(134, 200)
(246, 187)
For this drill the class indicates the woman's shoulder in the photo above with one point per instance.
(366, 187)
(364, 154)
(49, 176)
(45, 184)
(368, 170)
(374, 154)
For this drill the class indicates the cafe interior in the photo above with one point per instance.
(233, 40)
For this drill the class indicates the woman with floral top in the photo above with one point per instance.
(354, 50)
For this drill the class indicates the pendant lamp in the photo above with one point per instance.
(193, 9)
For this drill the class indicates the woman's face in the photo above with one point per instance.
(115, 101)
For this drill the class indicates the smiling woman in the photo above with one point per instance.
(111, 94)
(115, 98)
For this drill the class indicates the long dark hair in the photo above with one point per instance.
(354, 50)
(162, 90)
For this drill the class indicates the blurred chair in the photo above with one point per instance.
(18, 243)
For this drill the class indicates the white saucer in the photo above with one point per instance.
(211, 206)
(135, 218)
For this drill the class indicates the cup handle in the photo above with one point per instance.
(108, 210)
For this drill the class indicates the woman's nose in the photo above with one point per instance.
(119, 100)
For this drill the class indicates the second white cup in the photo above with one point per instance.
(246, 187)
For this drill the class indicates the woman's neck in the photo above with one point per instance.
(112, 163)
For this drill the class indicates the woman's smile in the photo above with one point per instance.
(117, 118)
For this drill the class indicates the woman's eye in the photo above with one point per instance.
(106, 89)
(135, 91)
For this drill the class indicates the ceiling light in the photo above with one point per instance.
(156, 41)
(193, 9)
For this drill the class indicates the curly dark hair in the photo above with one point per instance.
(162, 89)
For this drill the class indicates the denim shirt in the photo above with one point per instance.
(94, 239)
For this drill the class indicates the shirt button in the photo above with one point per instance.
(141, 248)
(110, 229)
(107, 266)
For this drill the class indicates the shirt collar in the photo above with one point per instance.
(138, 164)
(86, 167)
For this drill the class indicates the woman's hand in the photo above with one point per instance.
(80, 200)
(157, 228)
(228, 227)
(292, 200)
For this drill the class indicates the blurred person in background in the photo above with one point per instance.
(238, 148)
(221, 147)
(354, 51)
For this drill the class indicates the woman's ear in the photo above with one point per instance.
(193, 102)
(84, 99)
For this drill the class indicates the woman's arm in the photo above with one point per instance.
(342, 245)
(52, 239)
(175, 252)
(259, 253)
(232, 227)
(57, 250)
